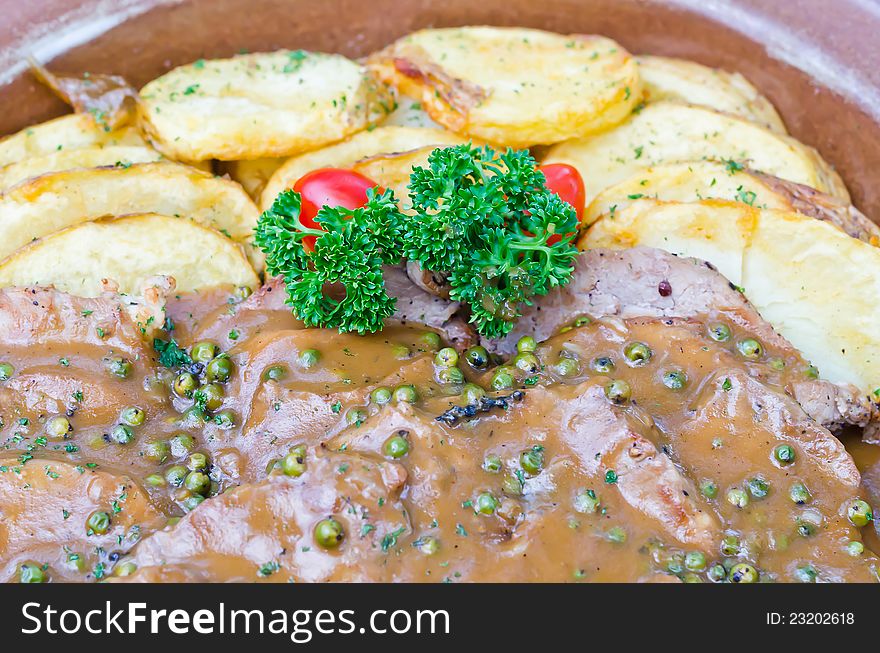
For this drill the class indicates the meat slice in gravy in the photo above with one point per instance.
(48, 509)
(264, 531)
(643, 281)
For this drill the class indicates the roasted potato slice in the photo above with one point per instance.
(86, 157)
(667, 132)
(811, 281)
(409, 113)
(513, 86)
(379, 142)
(253, 175)
(667, 78)
(69, 132)
(259, 105)
(55, 201)
(129, 251)
(699, 180)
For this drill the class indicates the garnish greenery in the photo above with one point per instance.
(482, 219)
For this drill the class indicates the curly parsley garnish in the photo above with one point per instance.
(483, 220)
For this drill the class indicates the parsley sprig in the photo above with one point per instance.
(482, 219)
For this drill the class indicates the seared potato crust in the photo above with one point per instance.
(38, 207)
(700, 180)
(668, 132)
(513, 86)
(129, 251)
(679, 80)
(790, 266)
(69, 132)
(382, 141)
(86, 157)
(259, 105)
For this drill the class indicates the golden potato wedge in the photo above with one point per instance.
(812, 282)
(409, 113)
(259, 105)
(667, 132)
(381, 141)
(253, 175)
(86, 157)
(679, 80)
(40, 206)
(129, 251)
(699, 180)
(513, 86)
(68, 132)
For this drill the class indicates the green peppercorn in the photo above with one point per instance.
(181, 444)
(431, 340)
(581, 322)
(329, 533)
(716, 573)
(75, 562)
(512, 485)
(275, 373)
(859, 513)
(805, 528)
(119, 366)
(812, 372)
(777, 364)
(58, 428)
(294, 463)
(380, 396)
(477, 357)
(472, 393)
(566, 367)
(799, 493)
(526, 344)
(406, 394)
(213, 393)
(784, 454)
(31, 572)
(175, 475)
(156, 451)
(602, 365)
(730, 545)
(618, 391)
(855, 549)
(121, 434)
(485, 504)
(637, 353)
(750, 348)
(502, 379)
(719, 332)
(527, 363)
(125, 569)
(132, 416)
(743, 573)
(708, 489)
(192, 502)
(758, 487)
(397, 446)
(155, 480)
(242, 292)
(427, 545)
(450, 376)
(616, 534)
(197, 482)
(737, 497)
(401, 352)
(493, 464)
(532, 460)
(806, 574)
(586, 502)
(6, 371)
(675, 379)
(225, 419)
(446, 357)
(308, 358)
(98, 523)
(197, 462)
(185, 384)
(695, 561)
(219, 369)
(203, 352)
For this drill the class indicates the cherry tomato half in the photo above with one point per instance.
(329, 187)
(565, 181)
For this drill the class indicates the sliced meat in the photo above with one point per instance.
(45, 505)
(264, 531)
(644, 281)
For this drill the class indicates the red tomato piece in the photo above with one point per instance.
(329, 187)
(565, 181)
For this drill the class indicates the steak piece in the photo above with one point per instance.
(643, 281)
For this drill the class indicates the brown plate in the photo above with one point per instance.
(817, 60)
